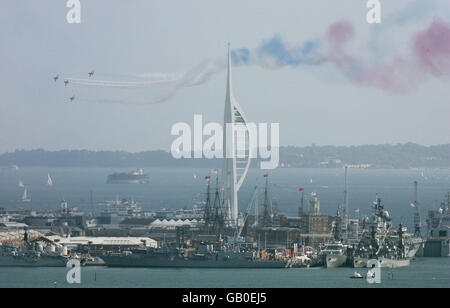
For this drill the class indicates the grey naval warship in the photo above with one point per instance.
(335, 255)
(31, 254)
(438, 233)
(202, 257)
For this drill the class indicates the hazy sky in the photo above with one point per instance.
(319, 104)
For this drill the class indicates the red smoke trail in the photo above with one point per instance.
(432, 48)
(430, 54)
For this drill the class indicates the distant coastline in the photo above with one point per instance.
(385, 156)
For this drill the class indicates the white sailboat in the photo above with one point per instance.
(49, 180)
(25, 197)
(21, 184)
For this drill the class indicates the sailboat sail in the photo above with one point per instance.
(21, 183)
(49, 180)
(25, 197)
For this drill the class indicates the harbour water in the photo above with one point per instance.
(423, 272)
(176, 188)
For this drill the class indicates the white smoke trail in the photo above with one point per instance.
(198, 75)
(145, 76)
(202, 73)
(172, 82)
(152, 101)
(121, 84)
(159, 76)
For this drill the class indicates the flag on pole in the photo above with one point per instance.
(266, 175)
(413, 204)
(301, 189)
(357, 210)
(207, 177)
(214, 171)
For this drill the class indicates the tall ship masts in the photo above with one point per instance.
(208, 212)
(417, 222)
(266, 203)
(345, 208)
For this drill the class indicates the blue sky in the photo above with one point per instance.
(118, 39)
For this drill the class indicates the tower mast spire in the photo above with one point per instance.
(234, 168)
(229, 84)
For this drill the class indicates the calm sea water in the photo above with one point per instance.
(424, 272)
(175, 188)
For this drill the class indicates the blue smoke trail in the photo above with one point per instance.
(275, 52)
(240, 56)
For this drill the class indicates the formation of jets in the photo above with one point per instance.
(66, 82)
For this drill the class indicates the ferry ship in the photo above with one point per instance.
(134, 177)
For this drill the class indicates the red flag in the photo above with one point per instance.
(301, 189)
(266, 175)
(207, 177)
